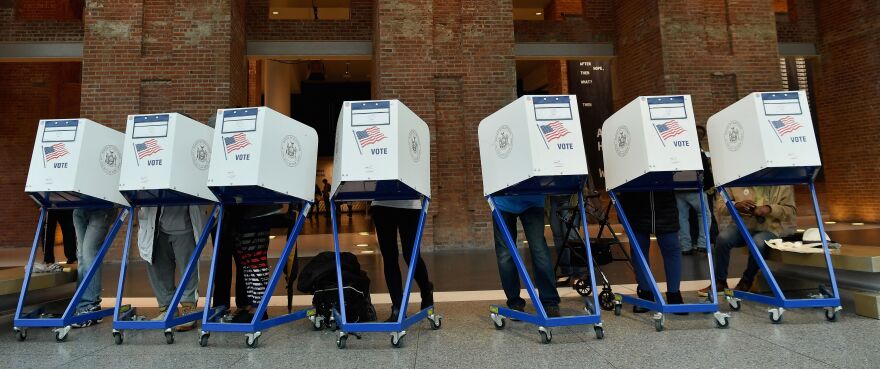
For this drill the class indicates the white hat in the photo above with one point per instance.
(812, 235)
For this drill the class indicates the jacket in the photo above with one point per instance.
(783, 214)
(147, 227)
(651, 212)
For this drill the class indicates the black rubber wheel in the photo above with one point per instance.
(600, 333)
(117, 338)
(169, 337)
(734, 305)
(203, 340)
(398, 343)
(498, 326)
(318, 324)
(21, 335)
(583, 286)
(617, 308)
(775, 321)
(606, 300)
(251, 343)
(658, 325)
(436, 325)
(59, 337)
(546, 337)
(830, 315)
(724, 324)
(341, 341)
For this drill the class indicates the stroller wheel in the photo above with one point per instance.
(583, 286)
(606, 299)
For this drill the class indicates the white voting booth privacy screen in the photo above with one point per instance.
(380, 145)
(76, 156)
(652, 141)
(533, 137)
(258, 149)
(165, 152)
(763, 135)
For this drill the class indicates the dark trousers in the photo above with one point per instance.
(389, 222)
(223, 267)
(532, 220)
(65, 219)
(671, 253)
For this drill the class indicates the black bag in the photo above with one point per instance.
(318, 278)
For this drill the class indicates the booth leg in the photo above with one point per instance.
(641, 264)
(21, 332)
(207, 315)
(120, 288)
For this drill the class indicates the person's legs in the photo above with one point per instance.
(68, 234)
(693, 200)
(506, 267)
(408, 226)
(223, 270)
(684, 230)
(752, 267)
(669, 249)
(91, 230)
(252, 250)
(386, 233)
(49, 236)
(644, 241)
(161, 270)
(183, 246)
(728, 239)
(542, 267)
(557, 227)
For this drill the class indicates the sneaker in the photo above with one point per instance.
(90, 322)
(563, 281)
(186, 308)
(552, 311)
(743, 285)
(163, 311)
(243, 316)
(720, 286)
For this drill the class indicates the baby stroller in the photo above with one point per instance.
(601, 248)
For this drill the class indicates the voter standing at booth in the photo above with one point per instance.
(530, 211)
(167, 237)
(64, 218)
(91, 228)
(390, 218)
(767, 212)
(655, 213)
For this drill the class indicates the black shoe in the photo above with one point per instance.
(563, 281)
(688, 252)
(427, 297)
(552, 311)
(245, 316)
(521, 309)
(395, 311)
(674, 298)
(644, 295)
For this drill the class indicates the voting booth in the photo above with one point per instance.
(165, 164)
(534, 146)
(767, 139)
(259, 157)
(75, 164)
(382, 152)
(651, 144)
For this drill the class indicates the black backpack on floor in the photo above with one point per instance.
(318, 278)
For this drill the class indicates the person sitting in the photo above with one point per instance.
(530, 211)
(768, 213)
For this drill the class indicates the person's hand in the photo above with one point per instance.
(745, 206)
(763, 210)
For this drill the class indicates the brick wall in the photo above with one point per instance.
(637, 44)
(152, 56)
(358, 28)
(585, 21)
(799, 24)
(40, 20)
(452, 63)
(848, 104)
(37, 91)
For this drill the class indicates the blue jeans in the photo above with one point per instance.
(687, 200)
(533, 226)
(671, 259)
(91, 227)
(557, 227)
(729, 239)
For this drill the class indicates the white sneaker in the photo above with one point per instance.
(163, 311)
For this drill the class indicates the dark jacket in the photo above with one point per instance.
(652, 212)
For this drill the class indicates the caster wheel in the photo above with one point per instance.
(169, 337)
(546, 336)
(583, 287)
(831, 314)
(317, 323)
(659, 323)
(252, 339)
(600, 332)
(775, 315)
(203, 339)
(61, 334)
(341, 341)
(332, 325)
(20, 334)
(397, 339)
(617, 309)
(498, 320)
(722, 322)
(436, 321)
(117, 337)
(606, 300)
(734, 304)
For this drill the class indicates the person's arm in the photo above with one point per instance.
(782, 206)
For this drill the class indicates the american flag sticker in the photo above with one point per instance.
(369, 136)
(552, 131)
(147, 148)
(668, 130)
(54, 152)
(237, 141)
(785, 125)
